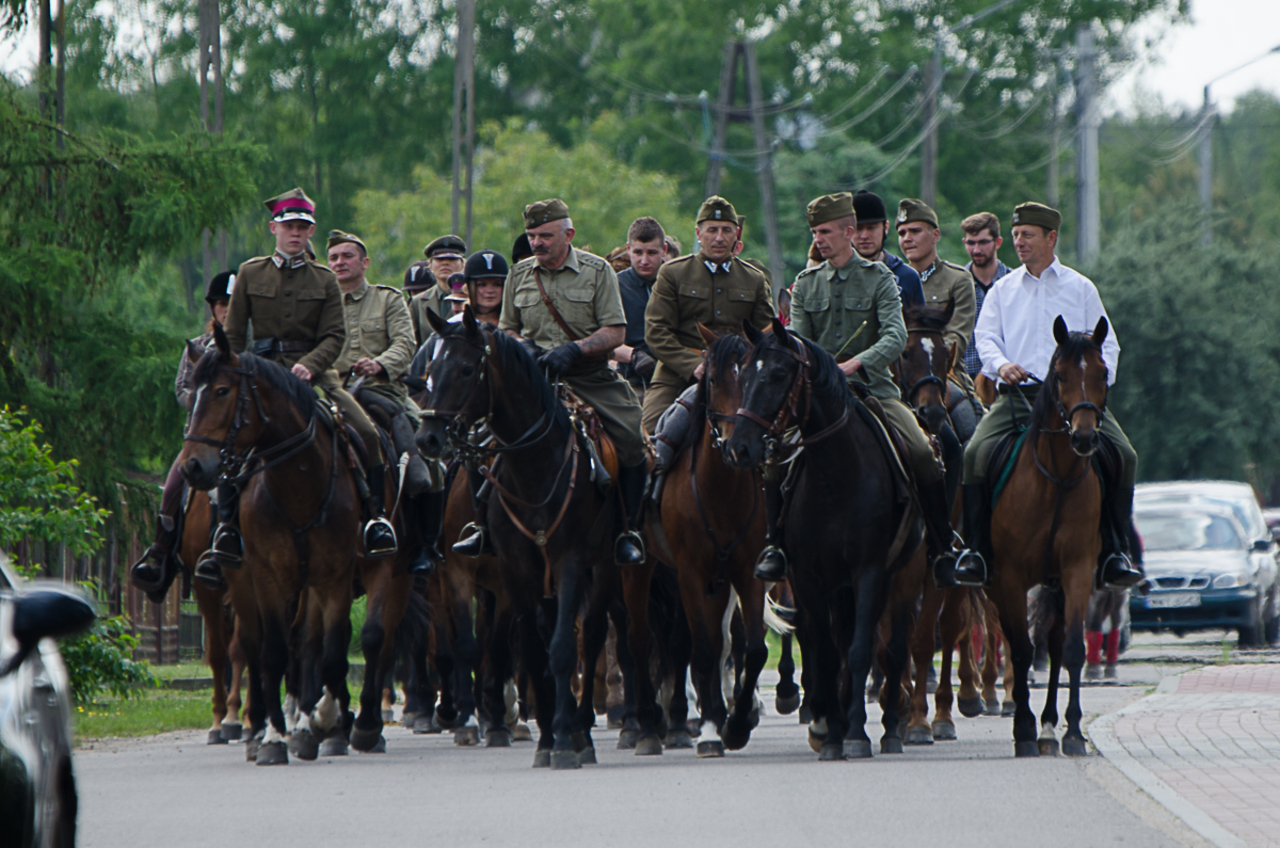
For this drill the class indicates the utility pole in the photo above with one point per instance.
(209, 23)
(464, 79)
(929, 148)
(1055, 139)
(1087, 211)
(724, 102)
(1206, 168)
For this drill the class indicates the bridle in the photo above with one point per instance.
(796, 407)
(930, 379)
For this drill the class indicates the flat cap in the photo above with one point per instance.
(829, 207)
(339, 237)
(716, 208)
(418, 277)
(912, 209)
(868, 207)
(544, 212)
(220, 287)
(1037, 214)
(291, 206)
(485, 263)
(446, 247)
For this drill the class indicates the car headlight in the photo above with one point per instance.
(1230, 580)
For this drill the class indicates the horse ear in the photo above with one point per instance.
(437, 323)
(194, 352)
(469, 321)
(708, 335)
(1060, 330)
(1100, 331)
(220, 340)
(753, 335)
(779, 330)
(950, 311)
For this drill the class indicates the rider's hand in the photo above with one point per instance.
(367, 368)
(561, 359)
(1013, 373)
(700, 370)
(621, 353)
(850, 366)
(302, 372)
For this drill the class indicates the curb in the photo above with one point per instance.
(1102, 735)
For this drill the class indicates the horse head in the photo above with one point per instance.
(1078, 383)
(722, 387)
(924, 366)
(772, 381)
(217, 422)
(460, 381)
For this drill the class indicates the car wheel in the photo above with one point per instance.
(1251, 635)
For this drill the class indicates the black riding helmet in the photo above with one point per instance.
(521, 249)
(220, 287)
(485, 263)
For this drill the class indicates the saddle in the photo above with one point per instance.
(891, 443)
(1106, 463)
(604, 454)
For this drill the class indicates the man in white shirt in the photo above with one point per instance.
(1014, 337)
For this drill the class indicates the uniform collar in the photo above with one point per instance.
(570, 263)
(289, 261)
(358, 293)
(716, 267)
(928, 272)
(843, 272)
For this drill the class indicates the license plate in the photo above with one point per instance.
(1173, 599)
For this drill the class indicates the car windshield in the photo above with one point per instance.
(1187, 531)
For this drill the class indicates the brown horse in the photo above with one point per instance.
(1044, 531)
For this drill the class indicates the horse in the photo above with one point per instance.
(710, 523)
(851, 527)
(1044, 531)
(544, 483)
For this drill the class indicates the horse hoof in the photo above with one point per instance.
(735, 741)
(520, 733)
(806, 714)
(447, 721)
(919, 735)
(1074, 746)
(497, 737)
(679, 738)
(786, 705)
(564, 760)
(215, 737)
(407, 718)
(710, 750)
(969, 707)
(991, 708)
(830, 752)
(231, 732)
(587, 756)
(627, 739)
(542, 758)
(694, 726)
(857, 749)
(944, 731)
(365, 741)
(334, 746)
(647, 746)
(1047, 747)
(426, 723)
(466, 736)
(1026, 749)
(1110, 673)
(816, 741)
(272, 754)
(1093, 671)
(891, 745)
(304, 745)
(1007, 709)
(251, 748)
(615, 716)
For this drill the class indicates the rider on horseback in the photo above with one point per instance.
(565, 303)
(296, 309)
(1015, 342)
(851, 308)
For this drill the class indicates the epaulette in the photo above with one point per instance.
(866, 263)
(591, 259)
(680, 260)
(954, 265)
(808, 272)
(524, 263)
(256, 259)
(388, 289)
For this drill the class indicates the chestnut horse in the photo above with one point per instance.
(1044, 532)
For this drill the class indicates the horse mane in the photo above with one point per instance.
(1045, 404)
(929, 317)
(824, 374)
(299, 394)
(724, 352)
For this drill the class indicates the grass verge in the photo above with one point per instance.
(160, 711)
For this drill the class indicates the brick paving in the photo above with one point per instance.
(1215, 741)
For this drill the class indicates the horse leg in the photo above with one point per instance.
(494, 676)
(308, 644)
(328, 714)
(1013, 621)
(595, 630)
(746, 707)
(624, 714)
(634, 656)
(562, 656)
(1075, 585)
(231, 727)
(992, 640)
(922, 644)
(681, 649)
(533, 653)
(274, 664)
(466, 655)
(1048, 740)
(900, 613)
(215, 655)
(446, 666)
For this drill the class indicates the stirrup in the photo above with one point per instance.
(628, 549)
(227, 547)
(209, 571)
(1117, 572)
(771, 565)
(473, 541)
(967, 568)
(379, 538)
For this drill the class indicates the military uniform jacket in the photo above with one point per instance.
(293, 300)
(584, 290)
(830, 305)
(687, 293)
(947, 281)
(378, 327)
(433, 299)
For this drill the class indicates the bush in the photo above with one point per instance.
(101, 659)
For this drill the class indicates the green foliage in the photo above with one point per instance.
(38, 496)
(359, 613)
(160, 711)
(101, 660)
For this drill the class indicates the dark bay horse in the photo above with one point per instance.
(850, 529)
(1044, 531)
(550, 522)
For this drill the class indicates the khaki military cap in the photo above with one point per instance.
(1038, 215)
(544, 212)
(339, 237)
(446, 247)
(716, 208)
(829, 207)
(912, 209)
(291, 206)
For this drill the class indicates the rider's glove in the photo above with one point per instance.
(560, 359)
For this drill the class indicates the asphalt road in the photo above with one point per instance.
(173, 789)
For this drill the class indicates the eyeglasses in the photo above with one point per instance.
(979, 243)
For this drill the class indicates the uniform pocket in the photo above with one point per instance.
(579, 295)
(311, 294)
(697, 291)
(263, 288)
(742, 295)
(821, 304)
(526, 298)
(372, 326)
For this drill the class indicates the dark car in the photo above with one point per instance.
(37, 786)
(1204, 572)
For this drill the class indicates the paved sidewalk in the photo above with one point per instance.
(1206, 745)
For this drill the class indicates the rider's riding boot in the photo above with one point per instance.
(972, 561)
(416, 478)
(940, 539)
(771, 565)
(227, 548)
(429, 511)
(628, 548)
(379, 535)
(1117, 570)
(154, 572)
(473, 540)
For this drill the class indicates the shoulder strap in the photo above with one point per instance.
(555, 313)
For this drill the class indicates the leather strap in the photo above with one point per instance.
(555, 313)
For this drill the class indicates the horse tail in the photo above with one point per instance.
(412, 634)
(776, 615)
(977, 606)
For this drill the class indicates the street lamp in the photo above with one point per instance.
(1206, 144)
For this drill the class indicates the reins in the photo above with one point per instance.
(801, 388)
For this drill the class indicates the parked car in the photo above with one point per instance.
(1272, 517)
(37, 785)
(1238, 497)
(1205, 572)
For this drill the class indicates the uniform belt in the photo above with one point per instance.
(286, 346)
(1027, 391)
